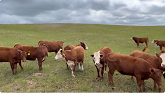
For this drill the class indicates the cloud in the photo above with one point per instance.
(117, 12)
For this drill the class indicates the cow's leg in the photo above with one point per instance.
(79, 65)
(146, 44)
(73, 70)
(159, 88)
(155, 87)
(12, 67)
(15, 68)
(160, 47)
(102, 72)
(110, 76)
(82, 68)
(143, 85)
(137, 44)
(40, 64)
(105, 67)
(20, 65)
(139, 82)
(67, 65)
(98, 72)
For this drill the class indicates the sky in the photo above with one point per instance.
(111, 12)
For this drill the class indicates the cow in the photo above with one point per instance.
(162, 56)
(133, 66)
(155, 61)
(53, 46)
(99, 59)
(140, 40)
(69, 47)
(159, 43)
(34, 53)
(13, 56)
(72, 57)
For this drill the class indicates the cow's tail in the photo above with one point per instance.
(145, 49)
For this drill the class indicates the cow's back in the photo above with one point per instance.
(69, 47)
(80, 53)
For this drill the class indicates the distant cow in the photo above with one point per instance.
(72, 57)
(159, 43)
(69, 47)
(34, 53)
(133, 66)
(99, 58)
(155, 61)
(13, 56)
(53, 46)
(140, 40)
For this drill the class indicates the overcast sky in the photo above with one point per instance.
(113, 12)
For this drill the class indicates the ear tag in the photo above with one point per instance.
(101, 57)
(28, 54)
(164, 74)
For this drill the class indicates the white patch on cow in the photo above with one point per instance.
(99, 66)
(71, 64)
(59, 56)
(97, 58)
(80, 67)
(152, 41)
(86, 47)
(163, 60)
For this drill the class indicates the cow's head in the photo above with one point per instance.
(60, 55)
(96, 58)
(22, 55)
(84, 45)
(162, 56)
(154, 41)
(156, 75)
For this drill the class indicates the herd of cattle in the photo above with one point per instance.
(139, 64)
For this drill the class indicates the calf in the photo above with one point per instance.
(69, 47)
(72, 57)
(140, 40)
(133, 66)
(99, 58)
(34, 53)
(13, 56)
(159, 43)
(155, 61)
(53, 46)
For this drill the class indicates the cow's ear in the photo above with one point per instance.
(157, 55)
(152, 70)
(92, 55)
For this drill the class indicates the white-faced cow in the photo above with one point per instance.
(159, 43)
(69, 47)
(13, 56)
(72, 57)
(99, 58)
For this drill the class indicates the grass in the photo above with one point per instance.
(55, 77)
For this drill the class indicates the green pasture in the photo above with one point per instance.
(55, 77)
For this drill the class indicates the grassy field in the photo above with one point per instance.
(55, 77)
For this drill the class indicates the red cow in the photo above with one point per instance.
(133, 66)
(69, 47)
(159, 43)
(99, 58)
(13, 56)
(140, 40)
(72, 57)
(34, 53)
(155, 61)
(53, 46)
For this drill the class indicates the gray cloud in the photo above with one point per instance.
(117, 12)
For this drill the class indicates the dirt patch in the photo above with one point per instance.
(39, 75)
(32, 84)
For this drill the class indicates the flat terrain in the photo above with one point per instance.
(55, 77)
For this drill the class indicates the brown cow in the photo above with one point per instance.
(99, 58)
(13, 56)
(69, 47)
(53, 46)
(72, 57)
(133, 66)
(155, 61)
(159, 43)
(140, 40)
(34, 53)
